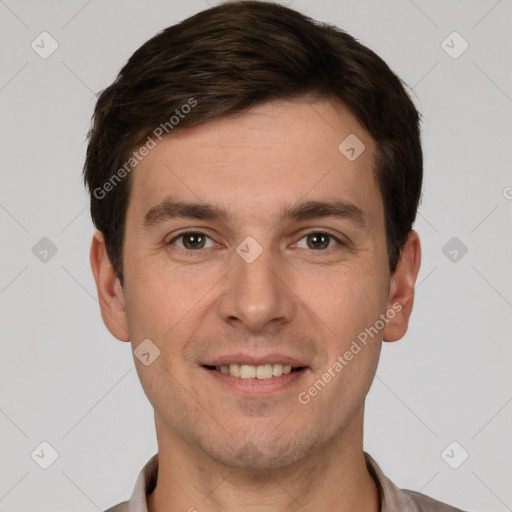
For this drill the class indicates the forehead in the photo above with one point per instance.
(274, 154)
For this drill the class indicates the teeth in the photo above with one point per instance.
(246, 371)
(264, 372)
(234, 369)
(278, 370)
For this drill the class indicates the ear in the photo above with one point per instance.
(110, 293)
(401, 291)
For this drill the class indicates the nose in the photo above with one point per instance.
(258, 293)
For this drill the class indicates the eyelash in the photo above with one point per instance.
(190, 251)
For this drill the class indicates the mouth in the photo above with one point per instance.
(260, 372)
(256, 375)
(257, 381)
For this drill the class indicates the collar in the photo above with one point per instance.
(391, 498)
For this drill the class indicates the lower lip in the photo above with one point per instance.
(251, 387)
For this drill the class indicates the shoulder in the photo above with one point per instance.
(394, 498)
(424, 503)
(120, 507)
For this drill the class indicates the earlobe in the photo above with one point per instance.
(401, 291)
(110, 293)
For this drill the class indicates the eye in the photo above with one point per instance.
(319, 240)
(195, 240)
(192, 240)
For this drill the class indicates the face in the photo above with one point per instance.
(261, 275)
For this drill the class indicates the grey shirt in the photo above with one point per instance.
(392, 499)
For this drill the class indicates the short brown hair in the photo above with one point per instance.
(234, 56)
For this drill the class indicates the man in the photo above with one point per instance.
(254, 179)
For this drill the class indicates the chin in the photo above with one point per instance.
(263, 452)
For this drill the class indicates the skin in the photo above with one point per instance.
(295, 298)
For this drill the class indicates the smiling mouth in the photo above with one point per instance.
(246, 371)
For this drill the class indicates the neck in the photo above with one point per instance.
(333, 478)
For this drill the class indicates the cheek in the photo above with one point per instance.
(346, 301)
(167, 308)
(161, 386)
(353, 347)
(157, 297)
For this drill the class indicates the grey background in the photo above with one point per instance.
(65, 380)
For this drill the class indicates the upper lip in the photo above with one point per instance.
(252, 360)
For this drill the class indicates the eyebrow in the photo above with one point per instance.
(170, 209)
